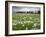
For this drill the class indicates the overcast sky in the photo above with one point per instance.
(17, 8)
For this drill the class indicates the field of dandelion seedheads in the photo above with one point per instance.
(26, 21)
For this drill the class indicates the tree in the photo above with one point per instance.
(38, 12)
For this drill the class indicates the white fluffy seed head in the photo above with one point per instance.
(28, 21)
(35, 24)
(21, 23)
(24, 22)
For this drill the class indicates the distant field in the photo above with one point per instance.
(21, 21)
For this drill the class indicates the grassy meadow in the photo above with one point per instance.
(21, 21)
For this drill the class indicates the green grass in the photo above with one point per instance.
(25, 21)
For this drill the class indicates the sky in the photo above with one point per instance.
(17, 8)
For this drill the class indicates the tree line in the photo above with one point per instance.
(36, 12)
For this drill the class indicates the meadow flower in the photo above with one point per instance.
(35, 24)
